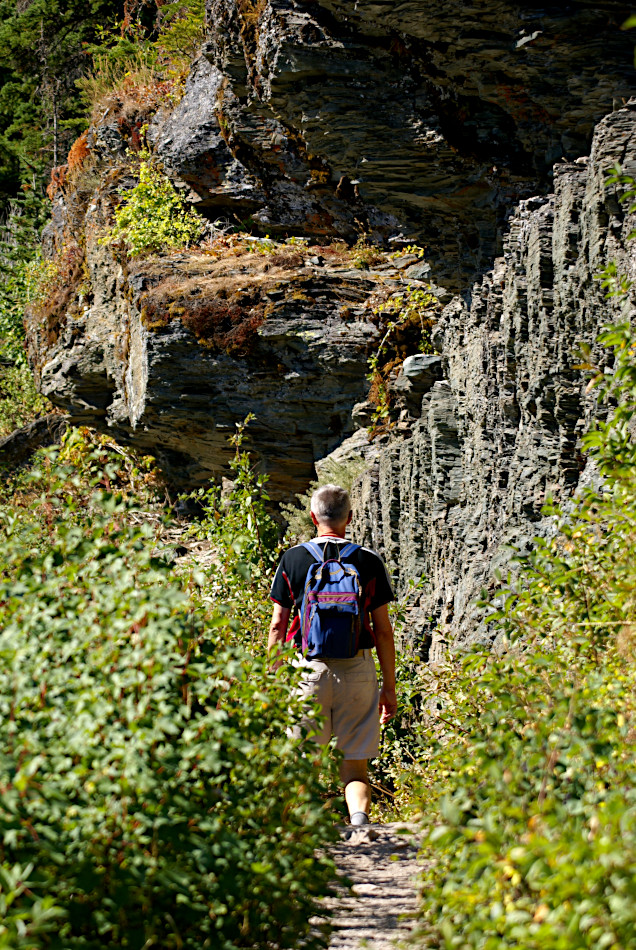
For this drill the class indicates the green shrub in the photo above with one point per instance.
(407, 320)
(239, 523)
(153, 217)
(528, 775)
(20, 402)
(396, 772)
(149, 789)
(531, 807)
(245, 540)
(14, 295)
(300, 527)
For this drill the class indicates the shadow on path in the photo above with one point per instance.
(380, 862)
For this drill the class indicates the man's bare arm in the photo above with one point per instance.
(385, 645)
(277, 631)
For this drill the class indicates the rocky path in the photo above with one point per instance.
(378, 911)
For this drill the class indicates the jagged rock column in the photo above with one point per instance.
(501, 432)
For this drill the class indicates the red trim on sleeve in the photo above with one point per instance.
(291, 593)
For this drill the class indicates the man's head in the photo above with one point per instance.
(331, 507)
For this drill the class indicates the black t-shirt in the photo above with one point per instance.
(289, 582)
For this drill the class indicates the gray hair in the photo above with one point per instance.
(331, 504)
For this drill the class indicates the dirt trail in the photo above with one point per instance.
(380, 861)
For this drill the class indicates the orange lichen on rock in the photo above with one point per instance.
(78, 152)
(58, 179)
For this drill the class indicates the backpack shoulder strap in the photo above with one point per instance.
(315, 550)
(348, 549)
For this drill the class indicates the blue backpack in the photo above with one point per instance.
(331, 611)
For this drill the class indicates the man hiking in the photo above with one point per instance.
(331, 585)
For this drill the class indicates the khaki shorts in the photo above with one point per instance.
(347, 692)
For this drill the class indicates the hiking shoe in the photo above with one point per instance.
(359, 818)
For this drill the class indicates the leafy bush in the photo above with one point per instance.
(531, 806)
(13, 297)
(407, 320)
(528, 777)
(27, 279)
(396, 772)
(150, 794)
(245, 541)
(20, 401)
(365, 255)
(152, 216)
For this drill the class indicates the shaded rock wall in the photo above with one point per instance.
(430, 119)
(169, 352)
(501, 431)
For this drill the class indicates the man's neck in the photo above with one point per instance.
(323, 532)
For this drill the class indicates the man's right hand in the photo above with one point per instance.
(385, 645)
(388, 704)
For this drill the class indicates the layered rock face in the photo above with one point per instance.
(430, 119)
(400, 122)
(501, 431)
(170, 353)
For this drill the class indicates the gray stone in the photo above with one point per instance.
(190, 143)
(406, 122)
(420, 365)
(502, 432)
(362, 415)
(106, 140)
(417, 375)
(17, 448)
(419, 271)
(355, 452)
(427, 119)
(134, 358)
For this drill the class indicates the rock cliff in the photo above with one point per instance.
(500, 432)
(430, 119)
(466, 128)
(170, 352)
